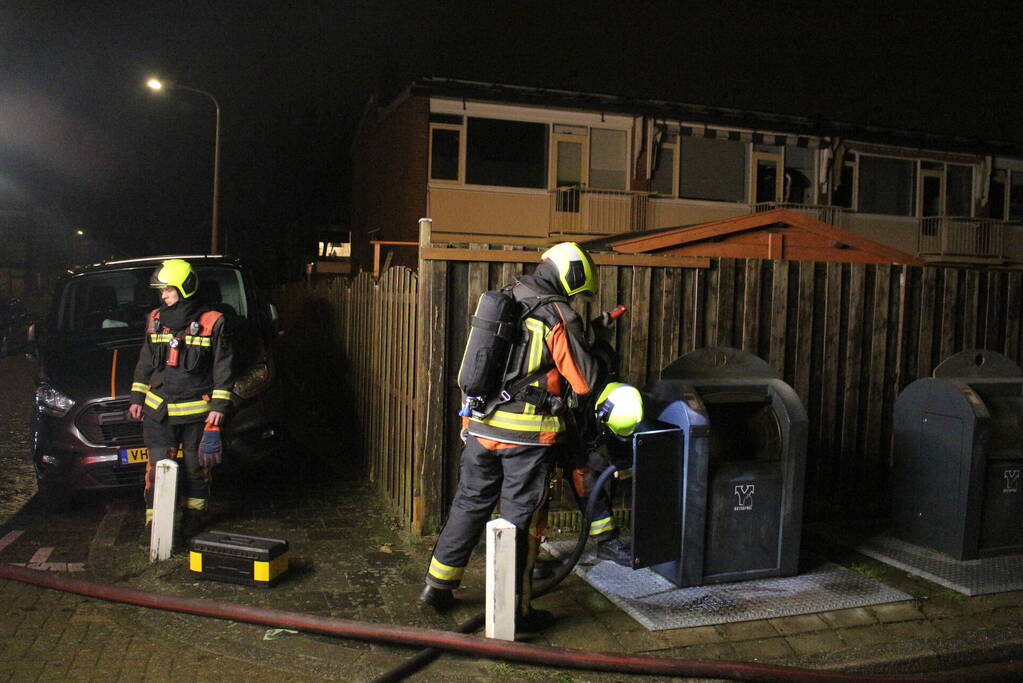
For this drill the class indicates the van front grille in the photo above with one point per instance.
(107, 423)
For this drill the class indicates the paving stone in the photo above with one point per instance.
(763, 649)
(897, 611)
(962, 624)
(697, 635)
(642, 641)
(708, 651)
(846, 618)
(802, 623)
(863, 636)
(814, 643)
(580, 632)
(912, 630)
(747, 630)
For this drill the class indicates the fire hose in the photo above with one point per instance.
(475, 645)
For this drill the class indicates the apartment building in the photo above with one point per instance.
(505, 164)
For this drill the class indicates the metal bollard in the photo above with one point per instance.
(500, 595)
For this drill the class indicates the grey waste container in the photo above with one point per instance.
(957, 458)
(740, 469)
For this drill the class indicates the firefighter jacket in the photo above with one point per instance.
(551, 336)
(183, 374)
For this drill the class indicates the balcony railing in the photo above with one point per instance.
(582, 210)
(962, 237)
(832, 215)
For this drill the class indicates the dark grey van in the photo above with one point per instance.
(83, 437)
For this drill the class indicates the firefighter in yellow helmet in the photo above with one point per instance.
(508, 455)
(618, 409)
(182, 386)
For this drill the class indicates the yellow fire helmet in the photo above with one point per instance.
(575, 267)
(620, 407)
(176, 273)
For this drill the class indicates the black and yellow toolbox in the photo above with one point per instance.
(238, 558)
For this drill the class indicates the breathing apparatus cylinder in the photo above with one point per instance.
(487, 350)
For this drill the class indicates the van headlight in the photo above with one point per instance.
(255, 380)
(52, 402)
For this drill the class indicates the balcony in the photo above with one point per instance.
(832, 215)
(962, 238)
(587, 211)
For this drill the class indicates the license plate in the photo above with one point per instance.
(133, 456)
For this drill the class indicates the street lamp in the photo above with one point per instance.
(157, 85)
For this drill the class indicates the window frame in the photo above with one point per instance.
(552, 161)
(460, 129)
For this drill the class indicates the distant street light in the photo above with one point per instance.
(79, 232)
(157, 85)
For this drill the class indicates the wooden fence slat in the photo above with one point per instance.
(804, 330)
(949, 314)
(779, 316)
(1013, 301)
(639, 326)
(725, 303)
(849, 458)
(829, 427)
(879, 327)
(751, 306)
(925, 341)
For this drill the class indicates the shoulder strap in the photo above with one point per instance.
(153, 319)
(207, 320)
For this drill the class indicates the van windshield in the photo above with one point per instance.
(117, 302)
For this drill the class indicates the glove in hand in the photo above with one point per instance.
(210, 448)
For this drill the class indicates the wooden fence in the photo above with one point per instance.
(847, 337)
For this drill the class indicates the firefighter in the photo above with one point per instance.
(619, 408)
(508, 454)
(182, 387)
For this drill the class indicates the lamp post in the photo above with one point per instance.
(157, 85)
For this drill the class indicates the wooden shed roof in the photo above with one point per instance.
(777, 234)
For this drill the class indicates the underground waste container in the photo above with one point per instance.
(957, 458)
(737, 472)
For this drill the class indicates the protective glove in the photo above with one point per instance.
(210, 448)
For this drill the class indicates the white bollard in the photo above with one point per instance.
(500, 599)
(161, 538)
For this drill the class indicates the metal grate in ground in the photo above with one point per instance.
(658, 604)
(970, 577)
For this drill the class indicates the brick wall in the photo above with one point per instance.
(389, 179)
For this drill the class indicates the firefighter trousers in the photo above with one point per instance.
(162, 439)
(518, 478)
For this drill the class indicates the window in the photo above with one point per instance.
(445, 152)
(886, 185)
(712, 169)
(958, 190)
(506, 153)
(997, 195)
(662, 179)
(1016, 196)
(799, 175)
(842, 195)
(608, 159)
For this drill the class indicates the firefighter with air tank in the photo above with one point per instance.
(527, 364)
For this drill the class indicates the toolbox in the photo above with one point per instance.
(238, 558)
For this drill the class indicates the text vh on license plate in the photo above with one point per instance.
(131, 456)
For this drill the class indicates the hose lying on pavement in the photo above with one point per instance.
(467, 644)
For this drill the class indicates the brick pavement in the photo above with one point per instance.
(351, 562)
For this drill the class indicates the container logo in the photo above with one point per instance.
(744, 494)
(1011, 481)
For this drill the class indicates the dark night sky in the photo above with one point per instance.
(80, 132)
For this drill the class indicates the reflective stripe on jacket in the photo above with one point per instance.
(179, 394)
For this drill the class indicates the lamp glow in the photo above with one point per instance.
(155, 84)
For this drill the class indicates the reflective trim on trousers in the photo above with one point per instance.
(444, 572)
